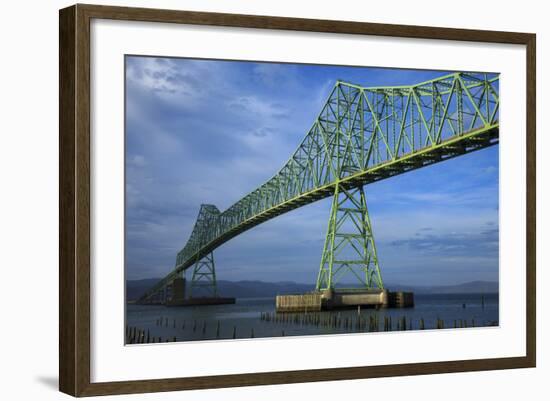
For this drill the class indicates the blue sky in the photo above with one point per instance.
(202, 131)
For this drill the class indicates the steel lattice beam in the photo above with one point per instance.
(361, 135)
(349, 248)
(203, 280)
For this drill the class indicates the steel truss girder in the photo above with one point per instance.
(349, 249)
(361, 135)
(204, 277)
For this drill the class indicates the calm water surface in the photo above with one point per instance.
(244, 318)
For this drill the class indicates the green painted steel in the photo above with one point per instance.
(361, 135)
(349, 249)
(203, 281)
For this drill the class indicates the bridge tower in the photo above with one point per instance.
(204, 277)
(349, 249)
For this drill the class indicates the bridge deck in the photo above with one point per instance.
(362, 135)
(448, 149)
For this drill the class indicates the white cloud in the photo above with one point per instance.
(275, 75)
(170, 80)
(259, 108)
(137, 161)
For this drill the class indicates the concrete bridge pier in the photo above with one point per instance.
(331, 299)
(337, 299)
(178, 292)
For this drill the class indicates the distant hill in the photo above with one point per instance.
(237, 289)
(477, 287)
(252, 288)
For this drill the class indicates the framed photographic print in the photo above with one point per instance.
(279, 200)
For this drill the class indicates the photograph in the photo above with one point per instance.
(275, 200)
(270, 199)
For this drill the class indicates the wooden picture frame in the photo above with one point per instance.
(74, 199)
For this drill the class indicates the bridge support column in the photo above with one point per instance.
(203, 281)
(349, 251)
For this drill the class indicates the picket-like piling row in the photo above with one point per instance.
(357, 322)
(341, 322)
(336, 321)
(135, 335)
(163, 322)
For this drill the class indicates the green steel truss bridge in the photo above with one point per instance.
(361, 135)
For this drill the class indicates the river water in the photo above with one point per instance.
(255, 317)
